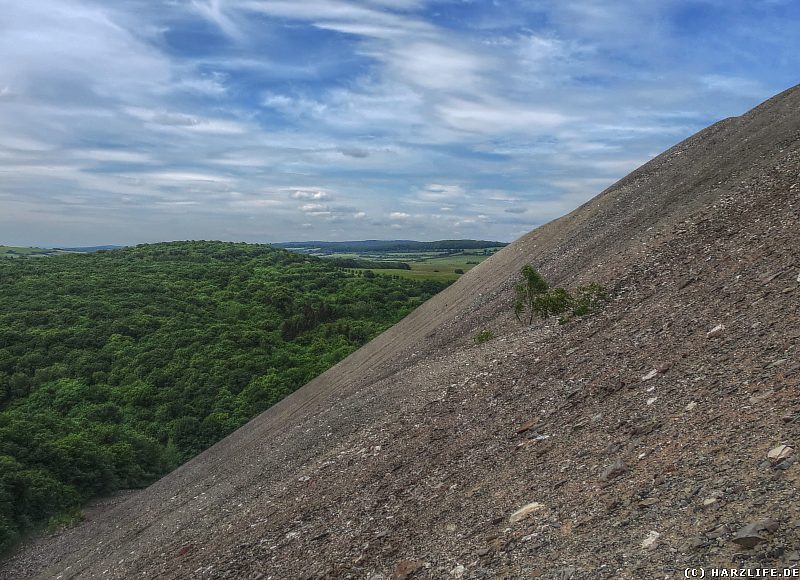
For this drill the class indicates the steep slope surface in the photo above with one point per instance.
(405, 459)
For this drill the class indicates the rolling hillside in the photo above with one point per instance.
(631, 443)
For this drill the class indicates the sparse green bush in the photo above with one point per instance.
(64, 520)
(528, 291)
(484, 336)
(588, 298)
(551, 303)
(8, 534)
(458, 271)
(534, 296)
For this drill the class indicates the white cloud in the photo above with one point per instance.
(112, 156)
(314, 208)
(250, 204)
(439, 192)
(186, 122)
(215, 11)
(305, 194)
(732, 84)
(184, 177)
(437, 66)
(498, 117)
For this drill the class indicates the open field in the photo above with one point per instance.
(434, 265)
(16, 252)
(32, 252)
(417, 273)
(426, 261)
(437, 267)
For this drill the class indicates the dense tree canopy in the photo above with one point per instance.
(117, 366)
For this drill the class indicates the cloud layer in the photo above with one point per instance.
(268, 120)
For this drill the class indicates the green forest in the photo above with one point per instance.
(117, 366)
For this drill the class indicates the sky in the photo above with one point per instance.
(131, 121)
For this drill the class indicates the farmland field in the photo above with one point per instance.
(440, 261)
(15, 252)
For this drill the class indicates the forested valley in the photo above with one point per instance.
(117, 366)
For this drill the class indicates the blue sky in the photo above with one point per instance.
(128, 121)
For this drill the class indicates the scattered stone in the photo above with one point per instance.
(651, 375)
(747, 538)
(717, 532)
(567, 573)
(483, 552)
(458, 571)
(645, 428)
(698, 542)
(716, 331)
(527, 425)
(770, 525)
(750, 535)
(651, 400)
(759, 397)
(691, 406)
(525, 511)
(406, 568)
(709, 501)
(651, 540)
(648, 502)
(786, 463)
(580, 424)
(614, 470)
(779, 453)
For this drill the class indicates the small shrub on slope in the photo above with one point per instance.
(484, 336)
(552, 303)
(528, 291)
(588, 298)
(534, 297)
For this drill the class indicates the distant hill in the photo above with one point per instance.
(388, 246)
